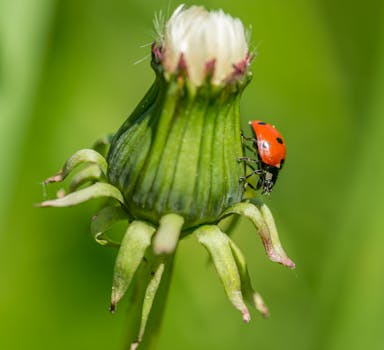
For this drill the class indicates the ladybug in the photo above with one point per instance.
(269, 146)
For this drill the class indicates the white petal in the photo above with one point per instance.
(200, 37)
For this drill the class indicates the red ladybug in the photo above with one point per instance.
(269, 145)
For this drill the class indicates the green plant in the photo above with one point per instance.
(172, 170)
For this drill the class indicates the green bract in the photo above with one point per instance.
(172, 169)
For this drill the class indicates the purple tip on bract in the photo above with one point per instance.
(260, 305)
(277, 254)
(246, 315)
(210, 67)
(112, 308)
(134, 345)
(55, 178)
(182, 67)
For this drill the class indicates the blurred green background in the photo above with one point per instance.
(67, 77)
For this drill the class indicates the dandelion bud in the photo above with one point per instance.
(177, 152)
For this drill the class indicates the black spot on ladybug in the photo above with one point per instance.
(279, 140)
(282, 162)
(262, 123)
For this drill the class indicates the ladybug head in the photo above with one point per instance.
(267, 179)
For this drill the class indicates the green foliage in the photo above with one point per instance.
(67, 77)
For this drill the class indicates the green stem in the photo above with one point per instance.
(147, 302)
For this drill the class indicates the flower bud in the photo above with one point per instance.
(177, 152)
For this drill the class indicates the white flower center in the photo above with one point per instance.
(201, 37)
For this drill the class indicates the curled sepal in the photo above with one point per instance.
(132, 249)
(94, 191)
(250, 295)
(229, 224)
(273, 239)
(167, 235)
(103, 221)
(218, 245)
(157, 271)
(102, 144)
(91, 173)
(80, 157)
(148, 300)
(262, 218)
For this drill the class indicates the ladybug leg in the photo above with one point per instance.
(246, 138)
(255, 171)
(250, 163)
(246, 184)
(247, 159)
(248, 147)
(243, 179)
(243, 137)
(260, 183)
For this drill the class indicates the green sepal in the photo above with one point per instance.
(273, 239)
(250, 295)
(132, 249)
(80, 157)
(91, 173)
(168, 233)
(229, 224)
(102, 145)
(103, 221)
(262, 218)
(218, 246)
(97, 190)
(157, 270)
(148, 299)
